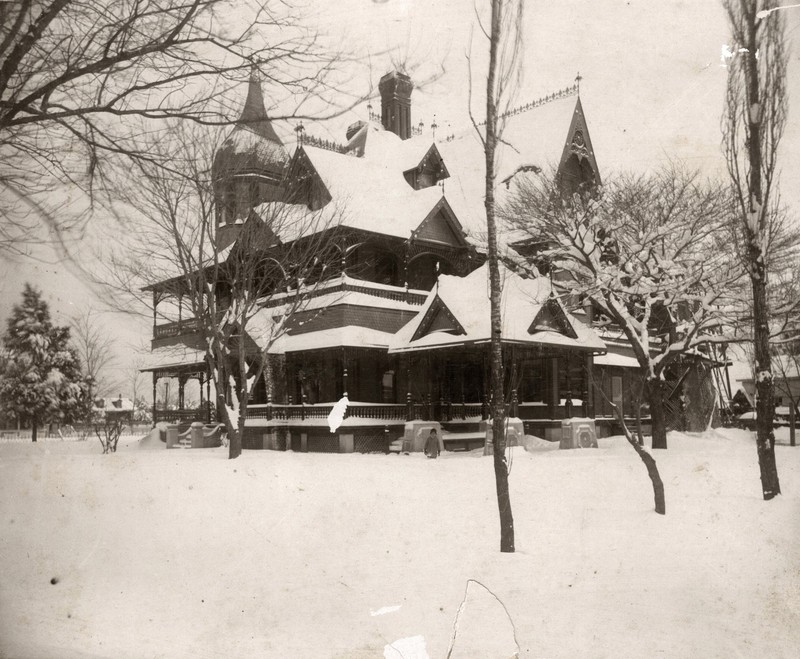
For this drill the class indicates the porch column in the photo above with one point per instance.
(155, 304)
(344, 372)
(181, 385)
(554, 395)
(588, 395)
(461, 371)
(409, 397)
(486, 384)
(568, 402)
(208, 397)
(155, 382)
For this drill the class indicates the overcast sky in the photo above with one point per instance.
(652, 89)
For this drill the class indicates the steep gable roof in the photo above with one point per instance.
(441, 226)
(438, 318)
(552, 318)
(537, 137)
(579, 142)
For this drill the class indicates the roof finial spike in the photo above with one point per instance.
(578, 79)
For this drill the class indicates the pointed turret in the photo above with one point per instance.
(578, 167)
(254, 114)
(248, 167)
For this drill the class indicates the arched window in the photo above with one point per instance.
(422, 271)
(375, 264)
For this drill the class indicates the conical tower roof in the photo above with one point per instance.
(254, 114)
(253, 145)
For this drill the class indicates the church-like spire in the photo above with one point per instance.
(254, 114)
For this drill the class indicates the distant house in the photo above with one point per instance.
(116, 409)
(786, 374)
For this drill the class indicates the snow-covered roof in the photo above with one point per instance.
(372, 193)
(380, 146)
(466, 300)
(617, 357)
(118, 404)
(534, 137)
(176, 356)
(253, 144)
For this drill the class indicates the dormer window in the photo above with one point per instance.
(428, 172)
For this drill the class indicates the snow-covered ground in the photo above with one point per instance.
(155, 553)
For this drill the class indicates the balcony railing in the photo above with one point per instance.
(176, 328)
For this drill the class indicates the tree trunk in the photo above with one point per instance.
(765, 402)
(755, 233)
(495, 293)
(655, 394)
(34, 428)
(649, 463)
(234, 436)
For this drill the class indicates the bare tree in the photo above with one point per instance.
(242, 297)
(82, 81)
(502, 81)
(649, 252)
(753, 124)
(95, 349)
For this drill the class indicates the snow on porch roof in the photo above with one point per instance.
(616, 359)
(351, 336)
(467, 299)
(174, 358)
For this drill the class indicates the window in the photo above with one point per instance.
(616, 391)
(387, 387)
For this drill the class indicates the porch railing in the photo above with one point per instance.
(301, 412)
(440, 410)
(180, 416)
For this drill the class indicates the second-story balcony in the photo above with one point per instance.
(175, 328)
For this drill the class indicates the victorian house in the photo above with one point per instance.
(401, 325)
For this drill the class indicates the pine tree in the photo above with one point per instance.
(40, 375)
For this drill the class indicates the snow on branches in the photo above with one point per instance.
(649, 252)
(40, 375)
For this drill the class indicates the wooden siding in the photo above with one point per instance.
(342, 315)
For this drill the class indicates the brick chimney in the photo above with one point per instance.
(396, 88)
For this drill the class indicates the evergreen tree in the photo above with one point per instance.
(40, 375)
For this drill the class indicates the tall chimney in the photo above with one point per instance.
(396, 88)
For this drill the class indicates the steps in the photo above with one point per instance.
(463, 441)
